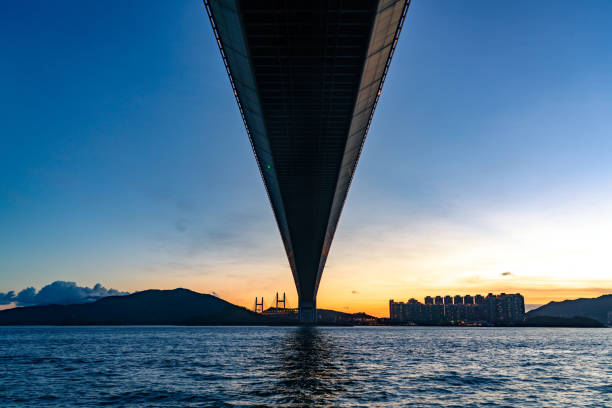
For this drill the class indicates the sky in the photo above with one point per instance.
(488, 166)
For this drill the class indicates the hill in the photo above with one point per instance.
(334, 317)
(594, 308)
(324, 317)
(178, 306)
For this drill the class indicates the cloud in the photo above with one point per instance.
(180, 225)
(506, 274)
(7, 298)
(27, 297)
(58, 292)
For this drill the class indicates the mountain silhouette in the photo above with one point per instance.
(155, 307)
(595, 308)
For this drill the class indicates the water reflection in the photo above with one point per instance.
(294, 367)
(308, 369)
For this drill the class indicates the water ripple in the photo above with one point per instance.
(304, 367)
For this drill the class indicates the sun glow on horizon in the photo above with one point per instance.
(554, 254)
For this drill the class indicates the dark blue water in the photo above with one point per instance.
(290, 367)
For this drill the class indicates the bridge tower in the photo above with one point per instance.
(278, 301)
(258, 306)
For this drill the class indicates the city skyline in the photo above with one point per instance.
(125, 161)
(500, 308)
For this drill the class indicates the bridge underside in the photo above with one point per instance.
(307, 76)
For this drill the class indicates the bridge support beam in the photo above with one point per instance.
(308, 312)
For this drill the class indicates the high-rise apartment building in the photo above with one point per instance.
(501, 309)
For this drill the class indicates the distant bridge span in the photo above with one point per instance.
(307, 75)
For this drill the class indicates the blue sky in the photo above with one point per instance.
(123, 158)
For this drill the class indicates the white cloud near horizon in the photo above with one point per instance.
(58, 292)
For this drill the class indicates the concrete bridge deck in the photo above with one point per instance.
(307, 76)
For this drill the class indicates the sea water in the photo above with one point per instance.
(295, 367)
